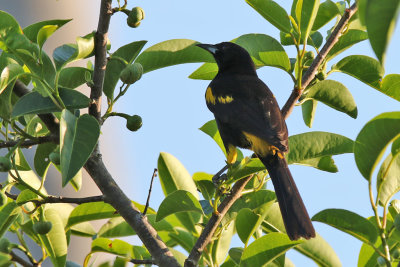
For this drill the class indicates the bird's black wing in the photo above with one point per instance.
(249, 107)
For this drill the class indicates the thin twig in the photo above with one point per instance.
(134, 261)
(29, 143)
(72, 200)
(151, 186)
(214, 221)
(312, 70)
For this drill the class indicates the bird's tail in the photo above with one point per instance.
(294, 213)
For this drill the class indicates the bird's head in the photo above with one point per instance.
(230, 57)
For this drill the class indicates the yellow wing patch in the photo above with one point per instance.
(211, 99)
(225, 99)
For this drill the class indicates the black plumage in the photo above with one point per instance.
(248, 116)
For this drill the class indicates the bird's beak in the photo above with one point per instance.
(209, 47)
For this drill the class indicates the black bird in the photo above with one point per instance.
(248, 116)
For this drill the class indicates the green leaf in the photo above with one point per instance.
(90, 212)
(183, 237)
(207, 71)
(116, 247)
(178, 201)
(325, 163)
(41, 159)
(380, 21)
(257, 201)
(172, 52)
(266, 249)
(272, 12)
(206, 187)
(44, 33)
(315, 39)
(35, 103)
(118, 60)
(20, 161)
(64, 211)
(174, 176)
(221, 245)
(246, 224)
(264, 50)
(372, 140)
(306, 11)
(346, 41)
(363, 68)
(210, 128)
(316, 248)
(8, 214)
(8, 25)
(118, 227)
(5, 259)
(390, 86)
(348, 222)
(9, 74)
(335, 95)
(78, 138)
(26, 196)
(388, 180)
(32, 31)
(55, 242)
(245, 167)
(72, 77)
(326, 12)
(312, 145)
(68, 53)
(308, 109)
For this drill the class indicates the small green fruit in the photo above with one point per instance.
(133, 123)
(131, 73)
(396, 253)
(3, 199)
(55, 156)
(135, 16)
(42, 227)
(381, 261)
(5, 245)
(5, 164)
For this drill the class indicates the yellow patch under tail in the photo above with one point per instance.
(260, 146)
(231, 154)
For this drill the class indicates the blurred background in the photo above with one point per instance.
(173, 107)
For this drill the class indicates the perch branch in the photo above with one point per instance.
(312, 70)
(214, 221)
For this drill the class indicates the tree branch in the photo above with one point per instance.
(312, 70)
(148, 196)
(100, 58)
(214, 221)
(72, 200)
(114, 195)
(29, 143)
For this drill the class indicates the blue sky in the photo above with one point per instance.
(173, 107)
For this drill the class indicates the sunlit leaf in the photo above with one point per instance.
(372, 140)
